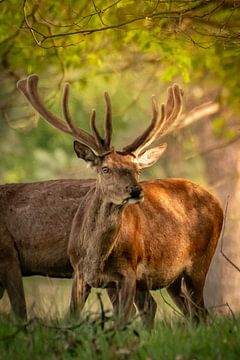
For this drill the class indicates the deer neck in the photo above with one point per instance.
(100, 231)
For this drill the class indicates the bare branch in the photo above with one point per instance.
(177, 14)
(14, 35)
(214, 148)
(32, 31)
(99, 13)
(202, 111)
(224, 305)
(170, 305)
(222, 236)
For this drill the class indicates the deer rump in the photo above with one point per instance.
(36, 220)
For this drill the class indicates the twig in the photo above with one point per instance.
(99, 13)
(201, 111)
(20, 328)
(102, 323)
(224, 305)
(170, 305)
(214, 148)
(63, 328)
(32, 31)
(222, 236)
(14, 35)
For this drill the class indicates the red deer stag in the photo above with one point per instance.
(125, 244)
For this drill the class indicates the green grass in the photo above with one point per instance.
(86, 339)
(50, 334)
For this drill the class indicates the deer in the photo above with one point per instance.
(35, 225)
(132, 237)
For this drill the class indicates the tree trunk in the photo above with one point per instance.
(222, 171)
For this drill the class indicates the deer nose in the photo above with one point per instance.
(134, 190)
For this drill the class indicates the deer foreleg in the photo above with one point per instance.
(114, 298)
(127, 290)
(79, 295)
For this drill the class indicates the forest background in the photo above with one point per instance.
(132, 49)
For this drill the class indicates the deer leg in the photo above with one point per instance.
(113, 296)
(127, 290)
(188, 296)
(79, 294)
(147, 307)
(175, 291)
(11, 280)
(10, 274)
(14, 286)
(195, 291)
(1, 290)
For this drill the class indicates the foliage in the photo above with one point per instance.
(87, 339)
(124, 46)
(180, 37)
(89, 34)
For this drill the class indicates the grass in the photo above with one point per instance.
(50, 334)
(88, 339)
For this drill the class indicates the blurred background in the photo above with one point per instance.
(132, 50)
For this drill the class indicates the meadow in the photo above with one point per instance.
(49, 332)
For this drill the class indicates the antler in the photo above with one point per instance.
(94, 142)
(160, 124)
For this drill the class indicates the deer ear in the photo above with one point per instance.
(151, 156)
(83, 152)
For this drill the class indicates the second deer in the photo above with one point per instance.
(129, 236)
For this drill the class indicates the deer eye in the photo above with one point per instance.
(105, 170)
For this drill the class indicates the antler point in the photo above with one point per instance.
(106, 95)
(33, 76)
(33, 79)
(66, 86)
(21, 83)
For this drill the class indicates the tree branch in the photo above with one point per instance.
(202, 111)
(222, 236)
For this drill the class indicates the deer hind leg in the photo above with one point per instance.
(195, 284)
(146, 306)
(79, 294)
(175, 292)
(187, 294)
(10, 275)
(2, 289)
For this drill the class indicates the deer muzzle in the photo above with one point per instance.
(135, 194)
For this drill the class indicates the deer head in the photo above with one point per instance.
(117, 171)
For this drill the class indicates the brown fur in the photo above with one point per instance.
(28, 247)
(145, 246)
(35, 223)
(131, 250)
